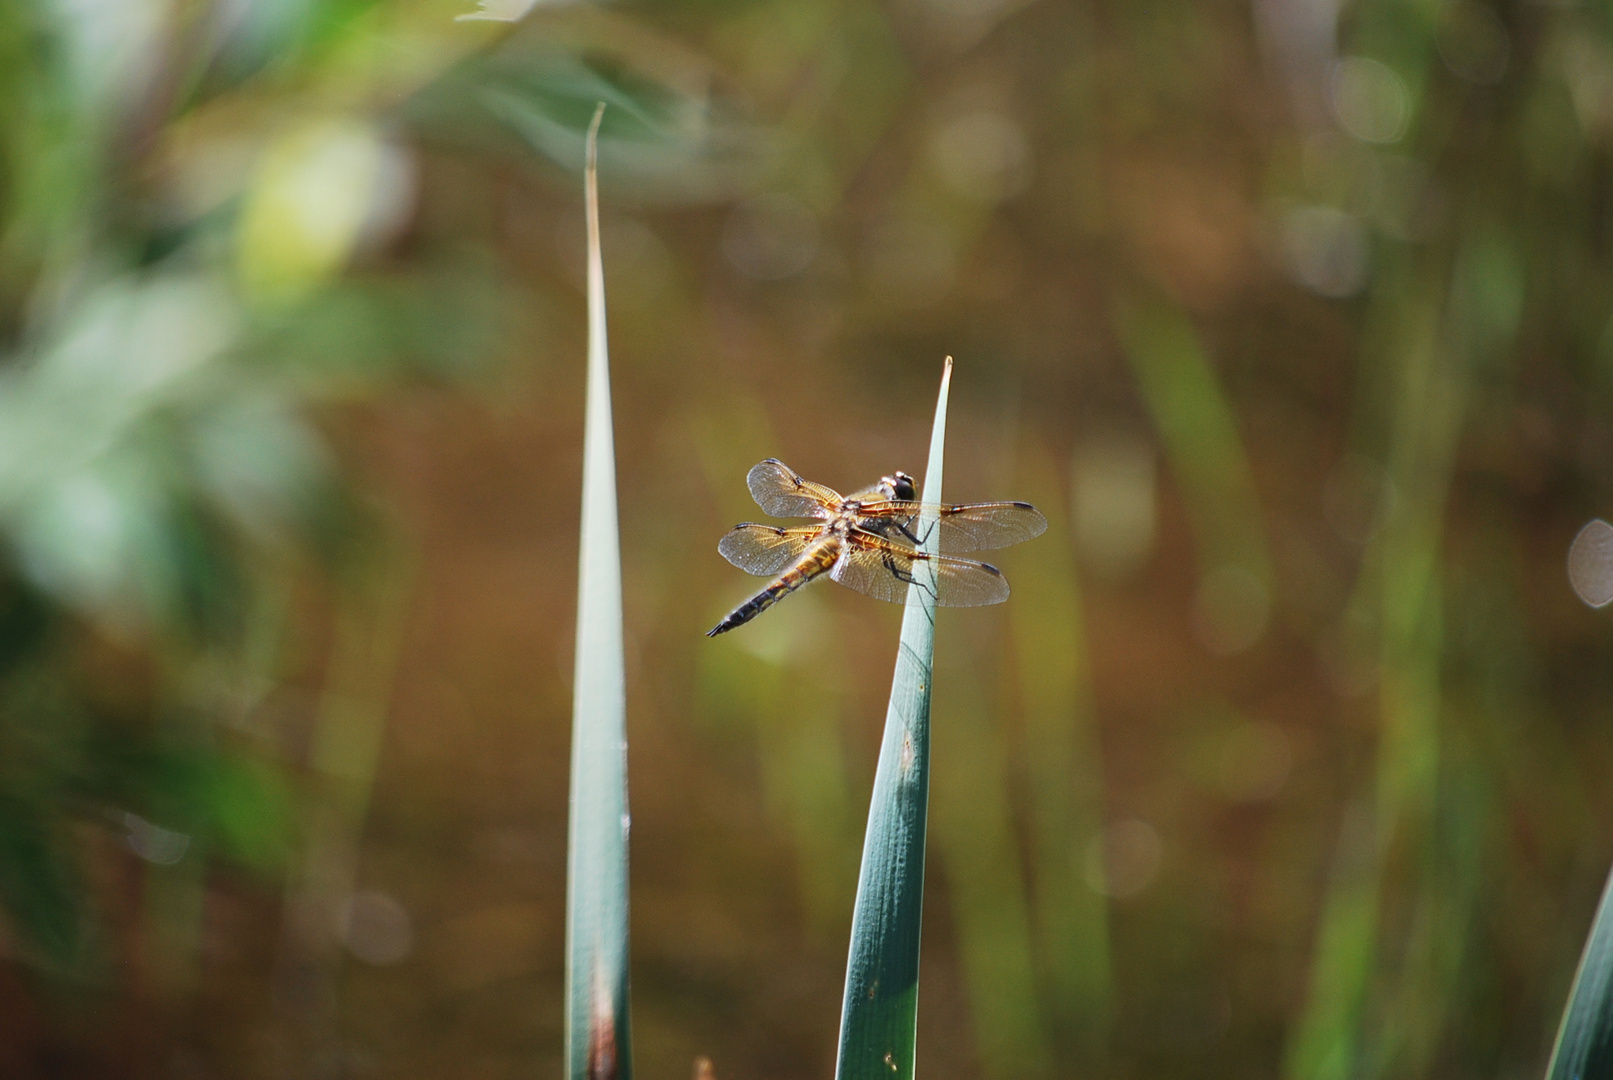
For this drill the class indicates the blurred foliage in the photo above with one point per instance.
(201, 212)
(1287, 757)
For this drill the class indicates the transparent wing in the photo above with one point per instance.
(967, 527)
(779, 491)
(886, 571)
(764, 550)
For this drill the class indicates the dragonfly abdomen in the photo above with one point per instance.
(818, 559)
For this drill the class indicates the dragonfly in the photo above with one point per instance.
(871, 542)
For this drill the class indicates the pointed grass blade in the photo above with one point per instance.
(1585, 1041)
(597, 1038)
(878, 1022)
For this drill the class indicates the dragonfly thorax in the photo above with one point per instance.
(843, 522)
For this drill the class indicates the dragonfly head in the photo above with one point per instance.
(898, 485)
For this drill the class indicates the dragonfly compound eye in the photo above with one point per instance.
(902, 486)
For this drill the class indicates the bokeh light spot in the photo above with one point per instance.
(319, 190)
(1124, 858)
(1473, 43)
(982, 154)
(376, 928)
(153, 843)
(1370, 100)
(1326, 250)
(771, 237)
(1590, 563)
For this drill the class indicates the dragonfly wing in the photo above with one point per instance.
(967, 527)
(890, 572)
(778, 490)
(764, 550)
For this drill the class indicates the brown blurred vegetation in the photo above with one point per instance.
(1286, 758)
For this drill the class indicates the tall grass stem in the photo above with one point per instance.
(598, 1044)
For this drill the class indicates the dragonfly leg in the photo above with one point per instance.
(906, 576)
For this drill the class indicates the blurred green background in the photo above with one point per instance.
(1288, 758)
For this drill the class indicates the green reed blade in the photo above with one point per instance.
(878, 1022)
(1585, 1041)
(980, 859)
(597, 1032)
(1199, 431)
(1063, 775)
